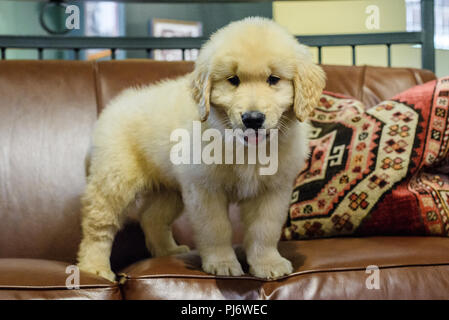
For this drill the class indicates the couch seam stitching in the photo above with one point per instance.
(38, 288)
(129, 278)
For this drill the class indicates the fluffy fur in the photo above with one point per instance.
(131, 149)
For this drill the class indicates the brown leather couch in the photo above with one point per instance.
(47, 112)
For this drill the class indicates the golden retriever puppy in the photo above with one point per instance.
(250, 75)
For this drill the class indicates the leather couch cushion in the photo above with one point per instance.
(46, 279)
(47, 112)
(372, 85)
(410, 268)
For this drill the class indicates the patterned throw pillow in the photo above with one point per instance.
(375, 172)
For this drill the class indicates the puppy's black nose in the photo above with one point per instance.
(253, 119)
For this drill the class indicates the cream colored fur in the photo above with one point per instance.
(131, 149)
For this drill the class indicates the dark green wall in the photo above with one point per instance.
(212, 15)
(22, 18)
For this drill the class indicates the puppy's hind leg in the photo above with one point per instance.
(103, 205)
(156, 221)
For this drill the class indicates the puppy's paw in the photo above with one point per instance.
(271, 268)
(223, 267)
(103, 272)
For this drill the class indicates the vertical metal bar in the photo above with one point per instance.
(183, 54)
(40, 53)
(3, 53)
(148, 53)
(427, 34)
(113, 53)
(77, 53)
(320, 57)
(389, 55)
(353, 54)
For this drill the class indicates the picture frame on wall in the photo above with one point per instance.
(168, 28)
(104, 19)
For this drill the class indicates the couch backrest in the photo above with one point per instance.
(47, 113)
(372, 85)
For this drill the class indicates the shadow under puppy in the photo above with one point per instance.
(251, 75)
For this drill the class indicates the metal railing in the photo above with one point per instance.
(425, 38)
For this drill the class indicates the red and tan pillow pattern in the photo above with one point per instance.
(375, 172)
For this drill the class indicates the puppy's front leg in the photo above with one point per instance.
(208, 213)
(263, 218)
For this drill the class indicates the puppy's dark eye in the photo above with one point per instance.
(234, 80)
(272, 80)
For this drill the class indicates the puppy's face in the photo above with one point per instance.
(251, 90)
(252, 74)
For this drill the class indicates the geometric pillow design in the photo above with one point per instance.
(373, 172)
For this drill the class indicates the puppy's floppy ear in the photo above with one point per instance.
(308, 82)
(201, 87)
